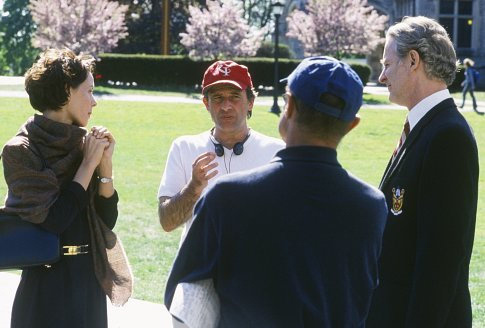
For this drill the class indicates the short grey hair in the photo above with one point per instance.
(430, 40)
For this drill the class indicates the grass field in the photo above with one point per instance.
(177, 92)
(479, 95)
(186, 92)
(144, 132)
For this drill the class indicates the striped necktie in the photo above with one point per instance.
(404, 135)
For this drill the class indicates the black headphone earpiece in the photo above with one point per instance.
(219, 149)
(238, 148)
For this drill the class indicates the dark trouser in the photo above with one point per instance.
(466, 89)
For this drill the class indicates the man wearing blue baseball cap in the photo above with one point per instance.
(294, 243)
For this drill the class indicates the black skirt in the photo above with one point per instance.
(67, 294)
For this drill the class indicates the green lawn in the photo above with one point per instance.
(186, 92)
(144, 132)
(480, 95)
(154, 91)
(372, 99)
(384, 99)
(179, 92)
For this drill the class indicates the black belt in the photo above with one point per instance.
(75, 250)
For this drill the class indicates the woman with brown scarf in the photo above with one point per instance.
(59, 176)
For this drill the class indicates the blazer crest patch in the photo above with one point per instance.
(397, 200)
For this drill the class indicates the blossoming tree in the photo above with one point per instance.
(89, 26)
(220, 31)
(337, 27)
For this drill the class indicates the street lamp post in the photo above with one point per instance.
(277, 9)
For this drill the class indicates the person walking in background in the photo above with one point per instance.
(293, 243)
(430, 184)
(469, 84)
(195, 162)
(60, 176)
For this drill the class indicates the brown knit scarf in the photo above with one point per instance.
(33, 189)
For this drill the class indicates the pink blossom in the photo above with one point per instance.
(220, 31)
(88, 26)
(337, 27)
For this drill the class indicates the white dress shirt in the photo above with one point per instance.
(424, 106)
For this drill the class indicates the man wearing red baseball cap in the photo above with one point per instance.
(196, 161)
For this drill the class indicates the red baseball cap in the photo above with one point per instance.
(227, 72)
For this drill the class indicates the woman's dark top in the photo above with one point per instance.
(67, 294)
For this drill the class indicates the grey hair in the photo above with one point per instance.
(430, 40)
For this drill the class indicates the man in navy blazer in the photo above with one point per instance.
(431, 187)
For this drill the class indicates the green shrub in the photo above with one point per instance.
(363, 71)
(155, 70)
(148, 70)
(267, 50)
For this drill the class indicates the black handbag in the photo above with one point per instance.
(25, 244)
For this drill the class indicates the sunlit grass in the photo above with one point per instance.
(144, 132)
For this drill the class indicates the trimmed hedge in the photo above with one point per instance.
(155, 70)
(363, 71)
(267, 50)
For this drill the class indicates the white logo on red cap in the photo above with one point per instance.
(223, 69)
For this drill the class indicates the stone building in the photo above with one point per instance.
(463, 19)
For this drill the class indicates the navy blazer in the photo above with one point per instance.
(431, 190)
(294, 243)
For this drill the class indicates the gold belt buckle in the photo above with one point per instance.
(75, 250)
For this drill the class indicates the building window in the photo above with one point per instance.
(457, 18)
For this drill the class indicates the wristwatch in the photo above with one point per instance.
(105, 180)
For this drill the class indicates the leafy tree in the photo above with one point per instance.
(220, 31)
(178, 21)
(143, 20)
(16, 29)
(257, 12)
(337, 27)
(3, 62)
(89, 26)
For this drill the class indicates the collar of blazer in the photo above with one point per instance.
(412, 137)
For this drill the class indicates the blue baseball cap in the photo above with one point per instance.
(317, 75)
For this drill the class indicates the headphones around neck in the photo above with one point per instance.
(219, 149)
